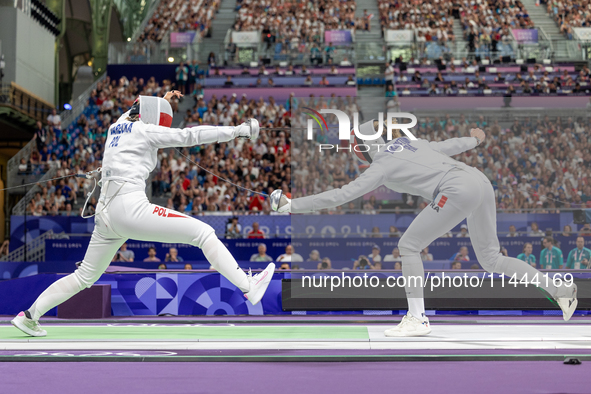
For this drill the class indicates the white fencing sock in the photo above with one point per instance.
(58, 292)
(510, 266)
(221, 259)
(412, 265)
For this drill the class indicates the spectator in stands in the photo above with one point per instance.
(188, 267)
(579, 257)
(314, 256)
(152, 257)
(4, 249)
(394, 232)
(161, 266)
(324, 81)
(375, 258)
(527, 255)
(325, 264)
(233, 229)
(456, 265)
(350, 81)
(393, 257)
(229, 81)
(362, 263)
(173, 256)
(567, 231)
(54, 120)
(463, 232)
(551, 256)
(256, 232)
(308, 81)
(262, 255)
(375, 233)
(425, 255)
(462, 255)
(512, 231)
(125, 254)
(535, 231)
(585, 231)
(290, 256)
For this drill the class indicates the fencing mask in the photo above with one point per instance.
(153, 110)
(366, 149)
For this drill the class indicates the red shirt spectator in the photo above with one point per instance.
(255, 233)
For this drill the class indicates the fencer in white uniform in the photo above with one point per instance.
(456, 191)
(123, 210)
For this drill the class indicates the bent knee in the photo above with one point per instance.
(409, 245)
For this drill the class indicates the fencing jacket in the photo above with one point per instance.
(131, 147)
(402, 165)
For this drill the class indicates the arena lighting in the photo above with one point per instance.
(67, 107)
(171, 59)
(128, 39)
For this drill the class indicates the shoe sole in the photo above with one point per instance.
(569, 311)
(414, 334)
(26, 330)
(267, 278)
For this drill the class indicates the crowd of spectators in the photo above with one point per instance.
(180, 16)
(465, 77)
(569, 14)
(298, 27)
(485, 25)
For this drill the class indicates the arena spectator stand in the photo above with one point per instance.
(179, 16)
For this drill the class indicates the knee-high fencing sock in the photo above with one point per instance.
(58, 292)
(414, 274)
(510, 266)
(222, 260)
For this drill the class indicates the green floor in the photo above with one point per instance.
(65, 333)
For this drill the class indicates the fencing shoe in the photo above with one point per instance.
(566, 297)
(249, 129)
(259, 284)
(410, 326)
(28, 326)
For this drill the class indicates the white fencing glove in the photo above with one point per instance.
(279, 202)
(249, 129)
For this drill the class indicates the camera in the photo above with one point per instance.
(363, 262)
(324, 265)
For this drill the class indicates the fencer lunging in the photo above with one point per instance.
(123, 210)
(457, 191)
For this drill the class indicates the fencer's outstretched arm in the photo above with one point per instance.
(372, 178)
(165, 137)
(455, 146)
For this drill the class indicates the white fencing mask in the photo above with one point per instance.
(153, 110)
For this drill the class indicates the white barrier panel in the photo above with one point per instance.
(399, 36)
(246, 37)
(583, 33)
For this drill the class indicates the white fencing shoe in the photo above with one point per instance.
(249, 129)
(410, 326)
(28, 326)
(259, 284)
(566, 297)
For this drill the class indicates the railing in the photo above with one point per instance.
(151, 52)
(14, 162)
(27, 103)
(21, 206)
(79, 104)
(34, 251)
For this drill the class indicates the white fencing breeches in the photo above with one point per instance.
(463, 193)
(124, 212)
